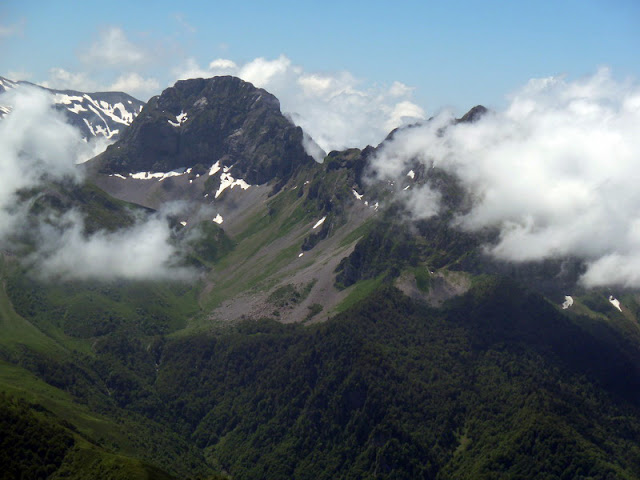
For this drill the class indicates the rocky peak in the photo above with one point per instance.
(202, 121)
(473, 115)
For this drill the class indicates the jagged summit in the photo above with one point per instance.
(473, 115)
(203, 121)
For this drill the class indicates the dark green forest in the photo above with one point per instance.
(497, 384)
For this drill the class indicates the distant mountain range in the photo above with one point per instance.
(98, 114)
(324, 332)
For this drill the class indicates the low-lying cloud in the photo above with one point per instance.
(143, 251)
(333, 108)
(37, 147)
(557, 173)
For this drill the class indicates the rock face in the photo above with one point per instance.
(202, 121)
(100, 114)
(473, 115)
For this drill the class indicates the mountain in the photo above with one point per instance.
(201, 138)
(200, 122)
(327, 334)
(98, 114)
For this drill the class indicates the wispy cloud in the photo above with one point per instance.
(111, 63)
(59, 78)
(113, 49)
(131, 83)
(11, 29)
(182, 21)
(134, 84)
(557, 172)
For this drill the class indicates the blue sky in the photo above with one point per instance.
(452, 54)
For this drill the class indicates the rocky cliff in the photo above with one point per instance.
(203, 121)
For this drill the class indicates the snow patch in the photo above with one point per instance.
(356, 194)
(407, 187)
(66, 99)
(7, 84)
(615, 302)
(184, 224)
(319, 222)
(77, 108)
(89, 126)
(182, 117)
(218, 219)
(118, 175)
(215, 168)
(110, 110)
(158, 175)
(300, 254)
(227, 181)
(568, 301)
(411, 174)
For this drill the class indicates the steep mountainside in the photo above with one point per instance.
(99, 114)
(201, 122)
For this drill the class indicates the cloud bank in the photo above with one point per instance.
(333, 108)
(557, 172)
(38, 147)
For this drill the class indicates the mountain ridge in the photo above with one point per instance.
(95, 115)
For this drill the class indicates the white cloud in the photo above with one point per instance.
(113, 49)
(403, 113)
(399, 89)
(190, 69)
(37, 147)
(17, 75)
(131, 83)
(137, 253)
(180, 19)
(61, 79)
(134, 84)
(333, 108)
(111, 63)
(557, 172)
(222, 64)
